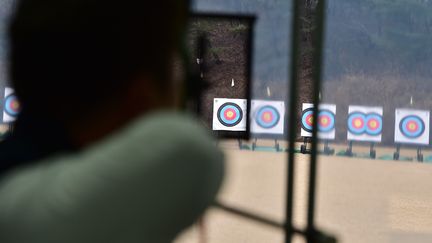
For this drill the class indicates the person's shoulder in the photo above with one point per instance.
(161, 167)
(166, 140)
(171, 125)
(169, 130)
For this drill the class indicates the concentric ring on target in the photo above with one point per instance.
(12, 106)
(267, 117)
(326, 121)
(412, 126)
(230, 114)
(374, 124)
(357, 123)
(307, 120)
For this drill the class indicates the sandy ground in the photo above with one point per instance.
(359, 200)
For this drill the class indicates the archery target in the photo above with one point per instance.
(374, 124)
(326, 121)
(307, 120)
(267, 117)
(357, 123)
(11, 107)
(412, 126)
(229, 114)
(365, 123)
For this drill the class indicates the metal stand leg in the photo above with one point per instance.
(327, 149)
(277, 146)
(396, 154)
(303, 147)
(349, 151)
(419, 154)
(372, 152)
(240, 143)
(254, 144)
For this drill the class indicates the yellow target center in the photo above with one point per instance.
(358, 123)
(310, 120)
(324, 121)
(267, 117)
(15, 105)
(373, 124)
(230, 114)
(412, 126)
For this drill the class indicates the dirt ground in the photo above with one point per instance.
(359, 200)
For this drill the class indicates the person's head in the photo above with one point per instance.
(73, 58)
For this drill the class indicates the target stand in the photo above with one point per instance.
(275, 148)
(326, 127)
(327, 150)
(267, 123)
(364, 125)
(411, 128)
(243, 146)
(349, 151)
(397, 154)
(304, 147)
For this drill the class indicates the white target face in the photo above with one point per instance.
(412, 126)
(267, 117)
(326, 121)
(365, 124)
(11, 106)
(229, 114)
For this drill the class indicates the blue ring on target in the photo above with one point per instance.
(331, 124)
(379, 119)
(275, 117)
(409, 134)
(237, 112)
(354, 130)
(8, 108)
(304, 120)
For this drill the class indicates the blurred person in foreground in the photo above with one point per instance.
(98, 153)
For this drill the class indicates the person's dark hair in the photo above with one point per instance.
(68, 55)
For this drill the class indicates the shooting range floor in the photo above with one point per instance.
(359, 200)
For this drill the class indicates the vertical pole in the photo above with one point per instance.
(199, 87)
(326, 147)
(292, 121)
(349, 152)
(419, 155)
(318, 45)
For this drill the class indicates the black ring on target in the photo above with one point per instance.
(9, 103)
(331, 121)
(305, 120)
(275, 117)
(352, 126)
(404, 123)
(234, 108)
